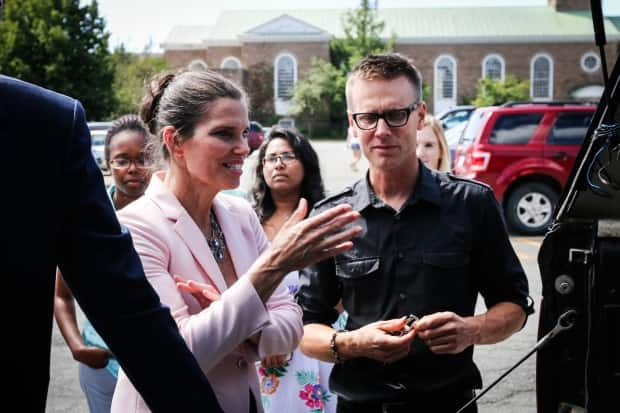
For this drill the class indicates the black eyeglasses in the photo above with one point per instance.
(123, 163)
(285, 157)
(394, 118)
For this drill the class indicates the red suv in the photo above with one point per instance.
(525, 152)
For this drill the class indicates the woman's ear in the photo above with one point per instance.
(171, 140)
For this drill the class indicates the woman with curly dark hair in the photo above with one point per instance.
(287, 170)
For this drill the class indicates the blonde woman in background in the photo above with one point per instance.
(432, 147)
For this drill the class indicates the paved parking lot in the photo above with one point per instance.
(516, 394)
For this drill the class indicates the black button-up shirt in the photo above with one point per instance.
(447, 244)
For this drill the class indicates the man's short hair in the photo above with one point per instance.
(386, 66)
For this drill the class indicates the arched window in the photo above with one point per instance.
(445, 83)
(541, 77)
(197, 65)
(493, 67)
(285, 74)
(231, 62)
(445, 75)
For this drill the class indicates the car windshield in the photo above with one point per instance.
(455, 118)
(473, 127)
(97, 139)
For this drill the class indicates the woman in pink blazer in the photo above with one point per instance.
(184, 226)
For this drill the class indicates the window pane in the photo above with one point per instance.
(445, 73)
(515, 129)
(230, 64)
(198, 65)
(493, 68)
(286, 77)
(569, 128)
(541, 77)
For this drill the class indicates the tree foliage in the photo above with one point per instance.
(314, 95)
(362, 36)
(59, 45)
(496, 92)
(258, 83)
(321, 94)
(132, 71)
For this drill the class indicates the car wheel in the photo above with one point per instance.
(530, 208)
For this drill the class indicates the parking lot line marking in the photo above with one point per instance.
(535, 242)
(532, 242)
(523, 256)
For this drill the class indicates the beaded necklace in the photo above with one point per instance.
(216, 241)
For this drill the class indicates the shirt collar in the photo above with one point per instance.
(426, 189)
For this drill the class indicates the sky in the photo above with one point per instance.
(141, 22)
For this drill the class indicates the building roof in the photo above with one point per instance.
(411, 25)
(186, 37)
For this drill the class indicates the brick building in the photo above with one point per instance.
(552, 47)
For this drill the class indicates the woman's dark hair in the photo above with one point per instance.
(125, 122)
(311, 187)
(181, 99)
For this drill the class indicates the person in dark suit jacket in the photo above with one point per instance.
(57, 214)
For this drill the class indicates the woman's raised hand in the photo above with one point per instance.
(301, 242)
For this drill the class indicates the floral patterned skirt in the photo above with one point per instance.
(301, 385)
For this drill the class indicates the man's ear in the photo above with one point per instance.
(351, 122)
(171, 140)
(421, 114)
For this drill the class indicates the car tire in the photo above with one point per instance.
(530, 208)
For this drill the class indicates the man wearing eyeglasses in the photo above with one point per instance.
(432, 243)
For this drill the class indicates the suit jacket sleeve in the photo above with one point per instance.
(98, 261)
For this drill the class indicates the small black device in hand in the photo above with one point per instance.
(411, 318)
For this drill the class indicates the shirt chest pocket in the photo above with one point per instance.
(445, 266)
(357, 269)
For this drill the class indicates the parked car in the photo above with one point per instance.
(97, 147)
(525, 152)
(98, 130)
(456, 116)
(99, 125)
(256, 136)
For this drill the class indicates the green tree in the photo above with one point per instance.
(132, 71)
(495, 92)
(362, 36)
(258, 82)
(321, 94)
(314, 96)
(62, 46)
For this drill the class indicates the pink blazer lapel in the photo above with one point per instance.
(239, 244)
(195, 241)
(188, 231)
